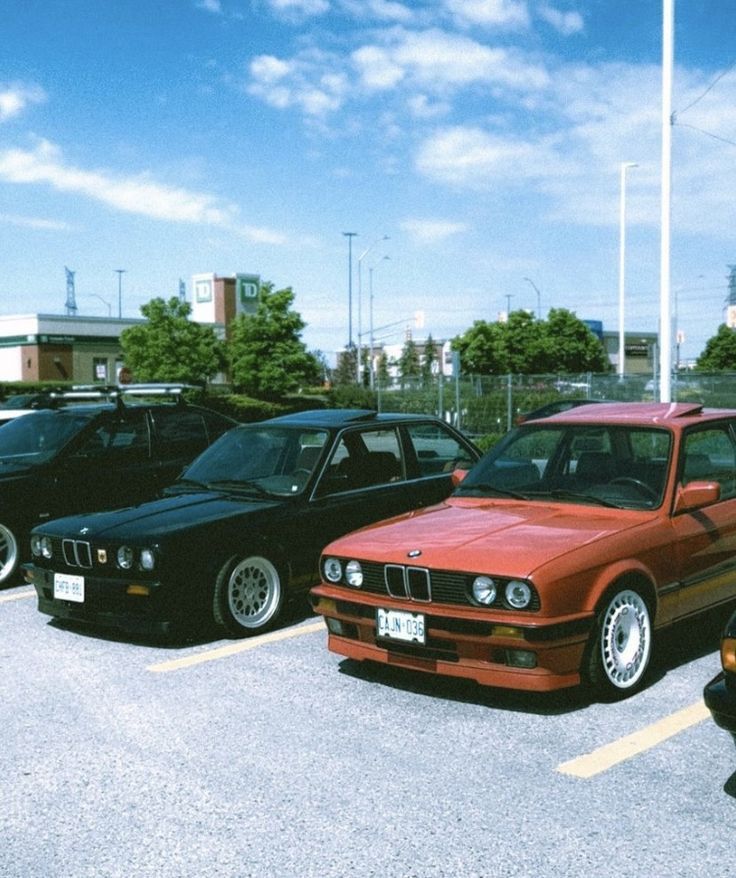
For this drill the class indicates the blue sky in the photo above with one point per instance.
(483, 137)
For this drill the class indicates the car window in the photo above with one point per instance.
(710, 455)
(117, 437)
(39, 436)
(436, 449)
(179, 432)
(363, 459)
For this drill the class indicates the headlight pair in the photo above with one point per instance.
(334, 572)
(128, 557)
(516, 593)
(41, 547)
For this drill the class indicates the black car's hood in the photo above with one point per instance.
(157, 518)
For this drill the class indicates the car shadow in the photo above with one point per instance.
(729, 788)
(195, 634)
(676, 646)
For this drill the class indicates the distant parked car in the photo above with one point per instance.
(243, 527)
(557, 557)
(111, 450)
(720, 693)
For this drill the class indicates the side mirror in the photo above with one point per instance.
(457, 476)
(697, 494)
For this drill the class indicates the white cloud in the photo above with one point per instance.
(567, 23)
(441, 60)
(14, 99)
(213, 6)
(133, 194)
(308, 82)
(30, 222)
(490, 13)
(299, 8)
(425, 231)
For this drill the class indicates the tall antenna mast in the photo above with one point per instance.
(71, 300)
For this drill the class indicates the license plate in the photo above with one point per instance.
(397, 625)
(68, 587)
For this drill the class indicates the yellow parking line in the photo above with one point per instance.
(235, 648)
(618, 751)
(16, 596)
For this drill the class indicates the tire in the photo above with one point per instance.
(249, 596)
(8, 554)
(621, 646)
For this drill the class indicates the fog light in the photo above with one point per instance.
(335, 626)
(140, 590)
(521, 658)
(728, 654)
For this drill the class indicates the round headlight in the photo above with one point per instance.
(518, 594)
(125, 557)
(46, 550)
(35, 545)
(484, 590)
(354, 574)
(332, 570)
(148, 559)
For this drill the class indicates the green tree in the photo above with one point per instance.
(409, 360)
(719, 354)
(528, 346)
(265, 352)
(430, 358)
(170, 347)
(382, 374)
(345, 370)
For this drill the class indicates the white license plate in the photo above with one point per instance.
(68, 587)
(397, 625)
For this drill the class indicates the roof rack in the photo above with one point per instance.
(117, 392)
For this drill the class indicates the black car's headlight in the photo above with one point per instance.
(128, 558)
(41, 547)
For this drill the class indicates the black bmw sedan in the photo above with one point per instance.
(243, 527)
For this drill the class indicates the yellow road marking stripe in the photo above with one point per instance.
(235, 648)
(16, 596)
(625, 748)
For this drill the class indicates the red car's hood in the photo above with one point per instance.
(465, 534)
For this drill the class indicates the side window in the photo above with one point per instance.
(710, 455)
(119, 438)
(179, 433)
(436, 449)
(363, 460)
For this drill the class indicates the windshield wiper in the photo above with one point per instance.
(486, 486)
(239, 485)
(186, 485)
(562, 494)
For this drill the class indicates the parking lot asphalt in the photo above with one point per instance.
(273, 757)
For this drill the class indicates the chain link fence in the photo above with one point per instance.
(489, 405)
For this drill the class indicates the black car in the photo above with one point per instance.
(720, 693)
(114, 449)
(243, 527)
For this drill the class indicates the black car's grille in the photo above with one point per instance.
(424, 585)
(77, 553)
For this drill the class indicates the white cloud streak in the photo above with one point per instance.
(138, 195)
(16, 97)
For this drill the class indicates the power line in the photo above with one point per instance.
(708, 89)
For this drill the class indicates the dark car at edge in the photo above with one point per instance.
(720, 692)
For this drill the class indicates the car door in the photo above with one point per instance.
(705, 538)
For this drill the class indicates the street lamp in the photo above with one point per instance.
(350, 236)
(120, 272)
(539, 297)
(622, 267)
(370, 319)
(359, 365)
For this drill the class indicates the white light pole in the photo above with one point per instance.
(120, 272)
(539, 297)
(350, 236)
(359, 365)
(665, 308)
(370, 318)
(622, 268)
